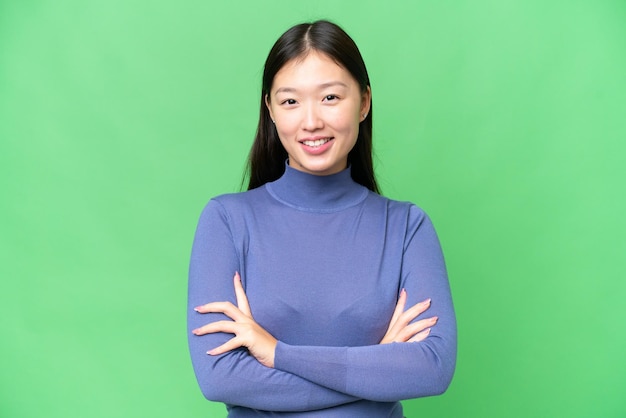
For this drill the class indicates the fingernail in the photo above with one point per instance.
(434, 318)
(210, 352)
(426, 302)
(197, 309)
(195, 332)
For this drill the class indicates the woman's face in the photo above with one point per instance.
(317, 106)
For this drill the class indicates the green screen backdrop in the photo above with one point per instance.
(504, 120)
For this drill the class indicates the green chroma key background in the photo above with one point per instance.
(504, 120)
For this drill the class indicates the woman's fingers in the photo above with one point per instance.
(406, 317)
(242, 299)
(247, 333)
(399, 309)
(411, 330)
(260, 343)
(420, 336)
(226, 308)
(229, 327)
(402, 328)
(229, 345)
(415, 311)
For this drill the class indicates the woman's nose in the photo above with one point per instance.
(312, 119)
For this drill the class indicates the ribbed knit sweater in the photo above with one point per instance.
(323, 261)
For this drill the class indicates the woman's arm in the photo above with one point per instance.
(395, 371)
(237, 378)
(247, 333)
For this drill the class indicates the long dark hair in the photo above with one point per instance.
(266, 161)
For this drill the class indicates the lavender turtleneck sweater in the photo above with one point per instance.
(323, 261)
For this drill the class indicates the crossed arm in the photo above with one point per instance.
(247, 366)
(262, 345)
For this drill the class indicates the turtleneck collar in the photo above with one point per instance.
(308, 192)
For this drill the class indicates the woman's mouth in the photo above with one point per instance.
(317, 145)
(315, 142)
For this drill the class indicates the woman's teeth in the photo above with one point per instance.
(316, 143)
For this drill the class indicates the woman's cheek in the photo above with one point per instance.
(289, 122)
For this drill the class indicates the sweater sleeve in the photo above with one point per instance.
(237, 378)
(396, 371)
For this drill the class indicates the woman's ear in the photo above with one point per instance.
(366, 102)
(269, 106)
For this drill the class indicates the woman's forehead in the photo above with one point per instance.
(315, 69)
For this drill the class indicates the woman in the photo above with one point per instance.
(314, 324)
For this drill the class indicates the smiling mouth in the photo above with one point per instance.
(315, 143)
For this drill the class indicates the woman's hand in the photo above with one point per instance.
(260, 343)
(400, 327)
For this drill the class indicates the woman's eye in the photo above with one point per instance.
(330, 98)
(289, 102)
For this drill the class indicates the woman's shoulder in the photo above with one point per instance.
(236, 199)
(406, 215)
(400, 207)
(236, 202)
(240, 197)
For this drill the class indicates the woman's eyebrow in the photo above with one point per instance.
(319, 87)
(332, 84)
(285, 90)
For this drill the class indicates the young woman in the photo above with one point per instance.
(308, 292)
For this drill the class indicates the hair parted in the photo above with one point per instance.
(266, 161)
